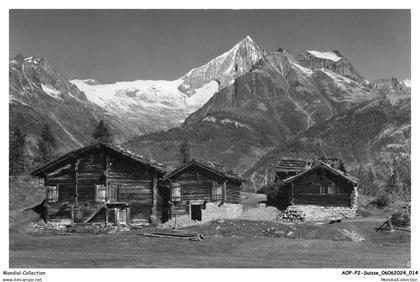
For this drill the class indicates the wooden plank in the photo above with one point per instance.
(327, 201)
(75, 186)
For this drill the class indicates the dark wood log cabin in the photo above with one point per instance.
(320, 184)
(194, 184)
(101, 181)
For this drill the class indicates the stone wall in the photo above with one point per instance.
(319, 213)
(354, 196)
(212, 212)
(225, 211)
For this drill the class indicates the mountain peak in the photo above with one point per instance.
(332, 60)
(224, 68)
(248, 38)
(247, 41)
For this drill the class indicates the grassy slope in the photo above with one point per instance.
(132, 250)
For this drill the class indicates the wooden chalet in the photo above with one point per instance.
(194, 184)
(289, 167)
(101, 182)
(321, 184)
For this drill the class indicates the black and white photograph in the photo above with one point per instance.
(209, 138)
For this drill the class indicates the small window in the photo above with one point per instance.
(176, 192)
(100, 193)
(216, 192)
(331, 188)
(52, 194)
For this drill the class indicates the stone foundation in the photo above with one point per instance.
(212, 212)
(225, 211)
(320, 213)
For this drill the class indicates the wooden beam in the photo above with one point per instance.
(117, 217)
(128, 216)
(106, 178)
(72, 213)
(224, 190)
(76, 168)
(118, 192)
(291, 193)
(46, 187)
(106, 216)
(153, 216)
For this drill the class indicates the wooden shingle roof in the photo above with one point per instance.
(291, 165)
(337, 172)
(64, 159)
(211, 167)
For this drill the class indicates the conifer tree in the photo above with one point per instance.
(102, 133)
(342, 167)
(45, 146)
(17, 146)
(185, 151)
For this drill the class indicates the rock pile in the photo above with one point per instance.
(319, 213)
(294, 214)
(77, 228)
(42, 227)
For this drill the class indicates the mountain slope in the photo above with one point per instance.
(372, 138)
(41, 94)
(285, 96)
(38, 95)
(267, 106)
(152, 105)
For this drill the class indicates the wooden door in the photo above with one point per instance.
(113, 192)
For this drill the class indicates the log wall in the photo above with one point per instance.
(197, 185)
(232, 193)
(307, 190)
(132, 180)
(134, 184)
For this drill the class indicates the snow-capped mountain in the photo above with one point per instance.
(38, 95)
(146, 105)
(41, 94)
(331, 60)
(280, 88)
(283, 98)
(235, 109)
(165, 104)
(277, 99)
(224, 68)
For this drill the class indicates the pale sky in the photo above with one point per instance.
(124, 45)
